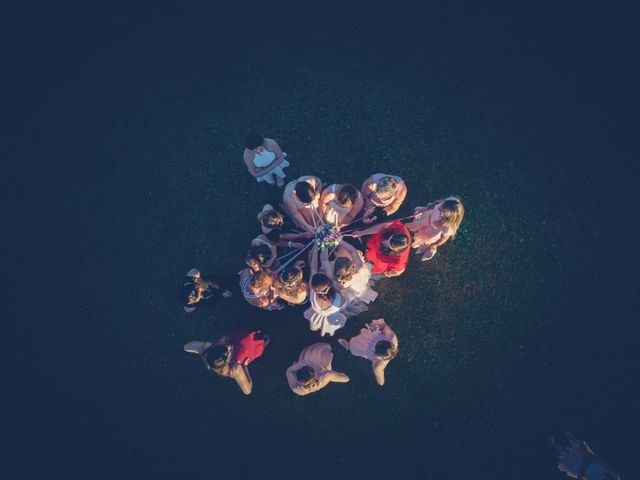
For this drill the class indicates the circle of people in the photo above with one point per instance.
(302, 258)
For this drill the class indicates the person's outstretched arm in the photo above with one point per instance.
(326, 197)
(378, 371)
(325, 263)
(353, 213)
(313, 261)
(337, 377)
(242, 378)
(297, 217)
(355, 257)
(373, 229)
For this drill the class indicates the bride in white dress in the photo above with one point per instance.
(352, 278)
(325, 313)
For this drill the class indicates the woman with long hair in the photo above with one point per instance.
(257, 288)
(435, 224)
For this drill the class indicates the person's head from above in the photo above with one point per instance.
(450, 213)
(385, 350)
(254, 140)
(321, 284)
(217, 357)
(271, 219)
(347, 195)
(306, 375)
(343, 270)
(396, 241)
(261, 280)
(290, 276)
(305, 192)
(257, 256)
(191, 295)
(386, 187)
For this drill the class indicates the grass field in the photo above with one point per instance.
(502, 336)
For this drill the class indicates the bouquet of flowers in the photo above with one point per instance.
(327, 236)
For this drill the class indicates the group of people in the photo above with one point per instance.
(308, 255)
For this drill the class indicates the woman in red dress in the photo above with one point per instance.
(230, 356)
(388, 248)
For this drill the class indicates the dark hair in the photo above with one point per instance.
(304, 191)
(259, 253)
(385, 350)
(398, 242)
(305, 375)
(347, 195)
(343, 269)
(217, 357)
(322, 282)
(273, 235)
(253, 139)
(272, 219)
(189, 293)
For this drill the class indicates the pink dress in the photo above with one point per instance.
(425, 233)
(364, 344)
(317, 356)
(308, 211)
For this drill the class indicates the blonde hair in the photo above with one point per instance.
(261, 279)
(343, 269)
(387, 186)
(452, 212)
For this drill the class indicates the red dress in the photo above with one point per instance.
(386, 263)
(246, 347)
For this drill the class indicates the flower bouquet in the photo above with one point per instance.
(327, 236)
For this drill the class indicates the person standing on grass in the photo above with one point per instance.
(387, 249)
(376, 342)
(435, 224)
(301, 199)
(313, 370)
(340, 204)
(264, 158)
(351, 276)
(231, 355)
(383, 195)
(203, 291)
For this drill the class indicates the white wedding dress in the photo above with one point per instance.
(328, 320)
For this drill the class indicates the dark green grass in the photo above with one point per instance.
(494, 332)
